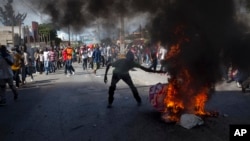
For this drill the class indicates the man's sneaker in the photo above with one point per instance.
(15, 96)
(2, 103)
(243, 90)
(238, 84)
(73, 73)
(138, 104)
(109, 106)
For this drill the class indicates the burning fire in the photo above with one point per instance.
(183, 95)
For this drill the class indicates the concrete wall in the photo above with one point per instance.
(6, 35)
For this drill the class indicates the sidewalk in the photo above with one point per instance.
(140, 76)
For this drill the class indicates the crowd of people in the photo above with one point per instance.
(50, 59)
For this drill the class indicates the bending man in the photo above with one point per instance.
(121, 71)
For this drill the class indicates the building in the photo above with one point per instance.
(6, 36)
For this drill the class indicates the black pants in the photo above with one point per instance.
(16, 77)
(127, 79)
(103, 61)
(154, 65)
(85, 63)
(245, 84)
(40, 67)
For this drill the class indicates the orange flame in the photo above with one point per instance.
(181, 95)
(174, 50)
(200, 101)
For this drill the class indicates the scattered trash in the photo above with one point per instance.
(189, 121)
(225, 115)
(157, 95)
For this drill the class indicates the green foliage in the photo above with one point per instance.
(46, 29)
(8, 16)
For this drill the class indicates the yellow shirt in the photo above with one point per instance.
(17, 61)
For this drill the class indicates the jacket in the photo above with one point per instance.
(5, 68)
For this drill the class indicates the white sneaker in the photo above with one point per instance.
(238, 85)
(73, 73)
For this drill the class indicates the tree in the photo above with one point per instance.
(49, 33)
(8, 16)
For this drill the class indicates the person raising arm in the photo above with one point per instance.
(121, 71)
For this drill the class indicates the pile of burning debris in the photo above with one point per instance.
(183, 99)
(167, 99)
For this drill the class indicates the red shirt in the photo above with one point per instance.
(64, 54)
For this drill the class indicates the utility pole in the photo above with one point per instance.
(69, 32)
(13, 34)
(122, 45)
(20, 31)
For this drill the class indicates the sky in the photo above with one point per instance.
(24, 6)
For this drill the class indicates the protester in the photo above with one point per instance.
(46, 60)
(162, 54)
(153, 57)
(121, 71)
(103, 50)
(30, 68)
(69, 52)
(52, 60)
(64, 58)
(40, 61)
(25, 65)
(147, 55)
(84, 54)
(96, 58)
(6, 75)
(154, 61)
(36, 60)
(59, 59)
(16, 67)
(108, 54)
(90, 55)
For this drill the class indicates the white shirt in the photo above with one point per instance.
(46, 55)
(162, 52)
(90, 52)
(108, 50)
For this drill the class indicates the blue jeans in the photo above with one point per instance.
(52, 66)
(68, 66)
(46, 67)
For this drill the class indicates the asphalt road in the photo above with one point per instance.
(60, 108)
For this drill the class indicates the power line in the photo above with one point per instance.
(24, 3)
(29, 6)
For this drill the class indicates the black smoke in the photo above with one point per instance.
(215, 38)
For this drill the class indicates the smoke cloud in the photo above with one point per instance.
(214, 34)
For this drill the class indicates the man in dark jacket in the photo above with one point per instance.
(6, 74)
(121, 71)
(96, 58)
